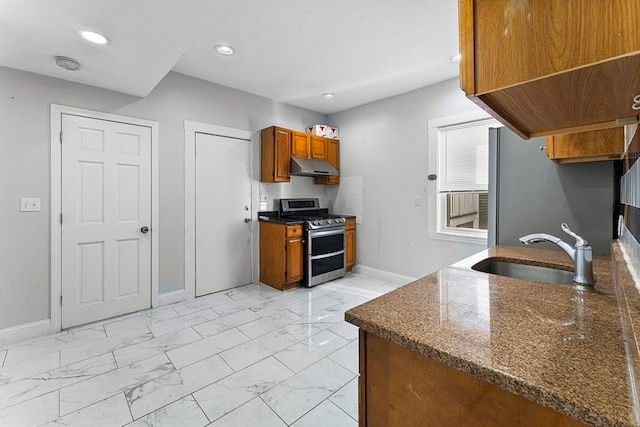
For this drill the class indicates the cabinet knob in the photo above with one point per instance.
(636, 103)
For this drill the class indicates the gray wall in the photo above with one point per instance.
(25, 100)
(385, 145)
(536, 195)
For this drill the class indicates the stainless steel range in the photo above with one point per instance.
(325, 255)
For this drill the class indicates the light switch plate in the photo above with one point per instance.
(30, 204)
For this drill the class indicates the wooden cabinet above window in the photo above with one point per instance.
(552, 67)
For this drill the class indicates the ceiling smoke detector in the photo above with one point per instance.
(67, 63)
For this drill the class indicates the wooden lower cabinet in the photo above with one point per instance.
(281, 255)
(350, 243)
(604, 144)
(399, 387)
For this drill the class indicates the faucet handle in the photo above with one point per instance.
(579, 240)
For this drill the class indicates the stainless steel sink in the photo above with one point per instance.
(534, 273)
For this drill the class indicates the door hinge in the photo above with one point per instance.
(60, 137)
(60, 218)
(60, 299)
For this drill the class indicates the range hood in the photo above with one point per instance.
(311, 167)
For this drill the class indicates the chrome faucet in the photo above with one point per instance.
(580, 254)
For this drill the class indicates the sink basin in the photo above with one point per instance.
(534, 273)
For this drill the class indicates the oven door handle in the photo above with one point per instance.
(332, 232)
(326, 255)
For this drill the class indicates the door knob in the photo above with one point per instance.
(144, 229)
(247, 220)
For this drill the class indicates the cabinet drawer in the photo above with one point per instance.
(294, 230)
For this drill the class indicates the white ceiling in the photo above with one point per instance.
(291, 51)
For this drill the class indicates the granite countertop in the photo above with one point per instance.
(553, 344)
(278, 220)
(272, 216)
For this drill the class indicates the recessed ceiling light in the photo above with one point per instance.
(93, 37)
(329, 95)
(67, 63)
(224, 49)
(456, 58)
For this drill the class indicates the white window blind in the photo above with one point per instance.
(464, 157)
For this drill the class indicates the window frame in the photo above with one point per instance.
(437, 228)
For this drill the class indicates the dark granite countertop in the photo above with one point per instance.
(553, 344)
(277, 220)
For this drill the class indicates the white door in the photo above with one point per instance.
(106, 219)
(223, 207)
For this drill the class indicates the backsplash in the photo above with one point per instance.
(630, 201)
(298, 187)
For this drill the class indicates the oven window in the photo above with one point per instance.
(327, 244)
(326, 265)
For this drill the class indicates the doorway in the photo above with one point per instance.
(220, 197)
(223, 213)
(104, 195)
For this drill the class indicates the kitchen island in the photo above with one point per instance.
(462, 347)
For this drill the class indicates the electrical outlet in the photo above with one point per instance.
(416, 201)
(263, 198)
(29, 204)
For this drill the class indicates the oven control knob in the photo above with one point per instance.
(315, 222)
(329, 221)
(320, 222)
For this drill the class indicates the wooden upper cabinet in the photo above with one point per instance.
(318, 147)
(275, 156)
(604, 144)
(552, 67)
(299, 144)
(333, 157)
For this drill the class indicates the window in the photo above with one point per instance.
(459, 162)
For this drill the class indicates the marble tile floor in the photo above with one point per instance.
(249, 356)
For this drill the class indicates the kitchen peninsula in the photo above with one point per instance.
(462, 347)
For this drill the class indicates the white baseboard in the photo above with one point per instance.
(383, 275)
(25, 331)
(172, 297)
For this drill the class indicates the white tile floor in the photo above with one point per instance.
(251, 356)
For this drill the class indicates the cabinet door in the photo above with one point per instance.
(543, 38)
(299, 144)
(318, 147)
(605, 144)
(350, 236)
(282, 156)
(294, 260)
(563, 66)
(333, 157)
